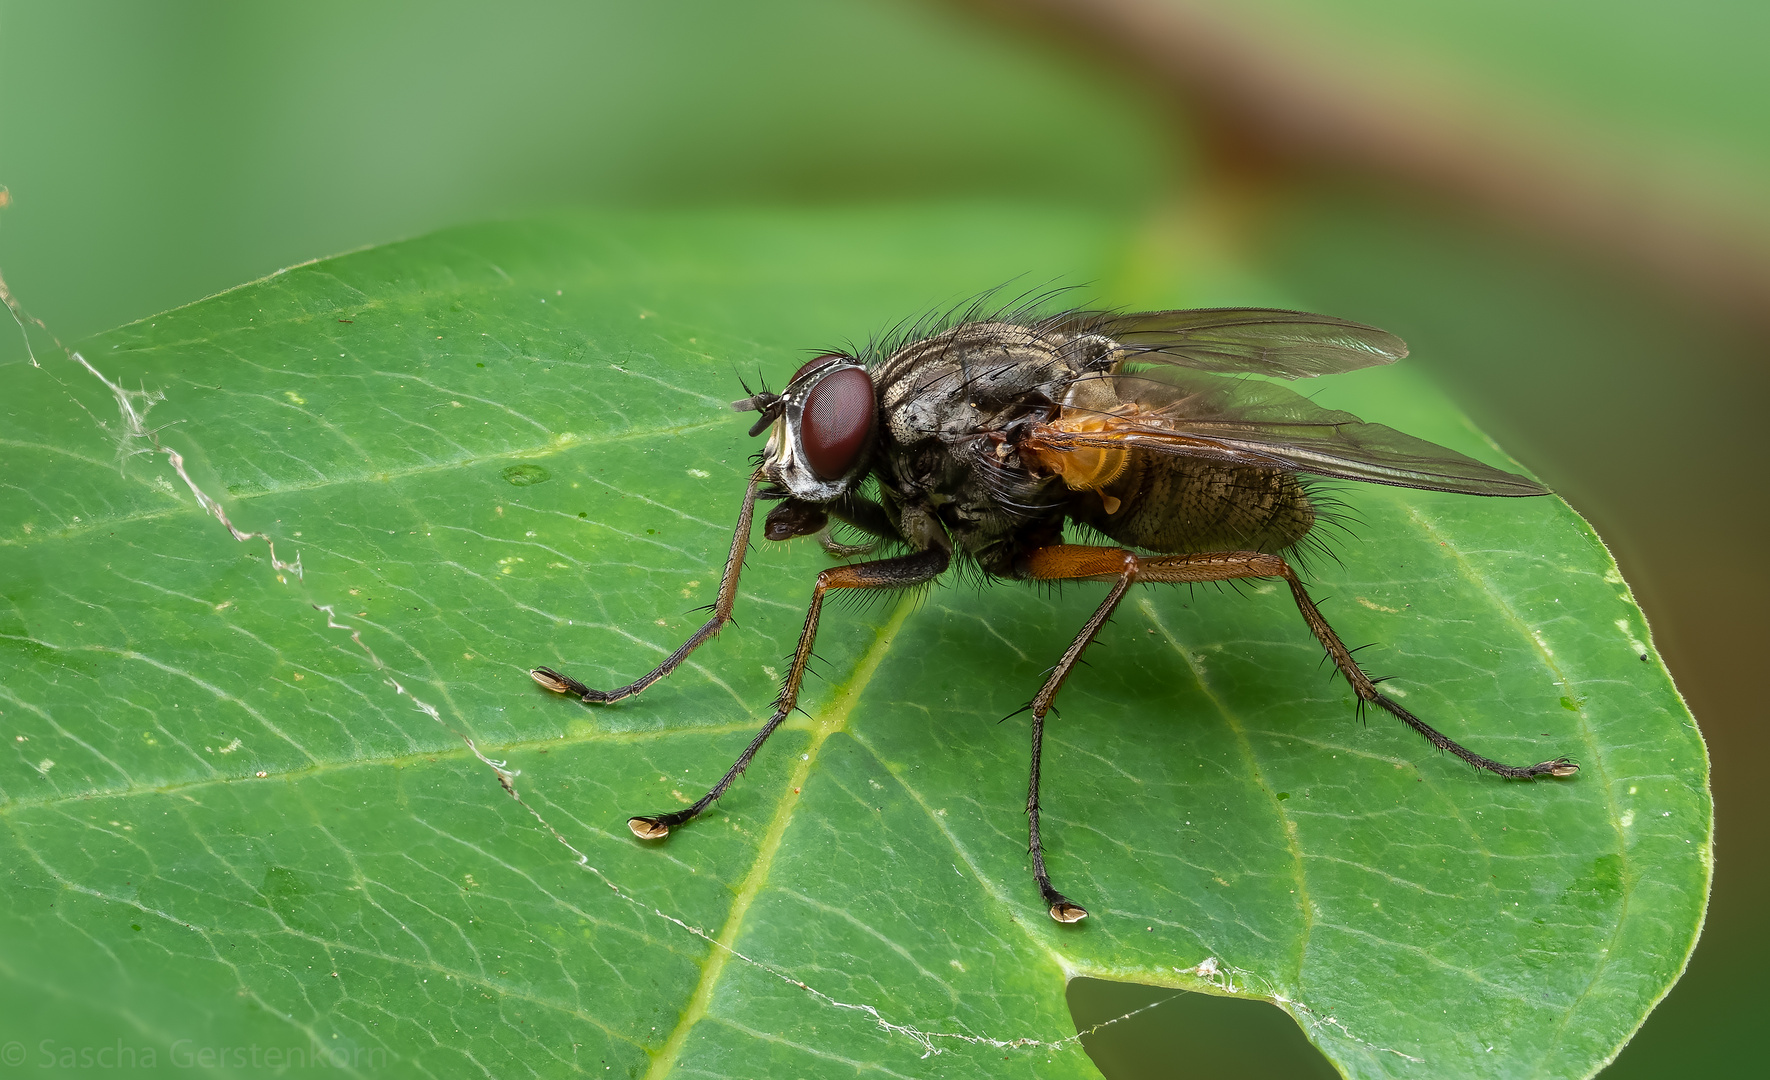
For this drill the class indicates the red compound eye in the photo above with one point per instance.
(813, 365)
(836, 421)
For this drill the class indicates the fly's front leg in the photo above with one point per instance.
(899, 573)
(728, 584)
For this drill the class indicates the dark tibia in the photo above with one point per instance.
(728, 582)
(1047, 566)
(1366, 689)
(1062, 908)
(898, 573)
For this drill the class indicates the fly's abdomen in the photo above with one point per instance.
(1175, 504)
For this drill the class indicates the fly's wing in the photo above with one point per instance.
(1262, 341)
(1257, 423)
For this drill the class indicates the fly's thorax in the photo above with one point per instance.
(979, 377)
(826, 430)
(949, 409)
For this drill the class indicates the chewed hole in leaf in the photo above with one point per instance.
(1211, 1035)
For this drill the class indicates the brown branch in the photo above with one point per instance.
(1269, 104)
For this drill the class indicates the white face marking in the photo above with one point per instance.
(783, 459)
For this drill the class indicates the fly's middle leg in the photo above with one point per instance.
(900, 573)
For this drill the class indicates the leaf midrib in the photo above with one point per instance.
(835, 720)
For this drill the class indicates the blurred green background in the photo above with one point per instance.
(1558, 206)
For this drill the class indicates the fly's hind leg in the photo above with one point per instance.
(1366, 689)
(1070, 562)
(1223, 565)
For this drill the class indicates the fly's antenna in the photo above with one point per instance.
(760, 401)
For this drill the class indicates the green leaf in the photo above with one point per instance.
(254, 810)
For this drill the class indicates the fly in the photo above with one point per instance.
(983, 441)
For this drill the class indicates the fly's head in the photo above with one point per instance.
(824, 429)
